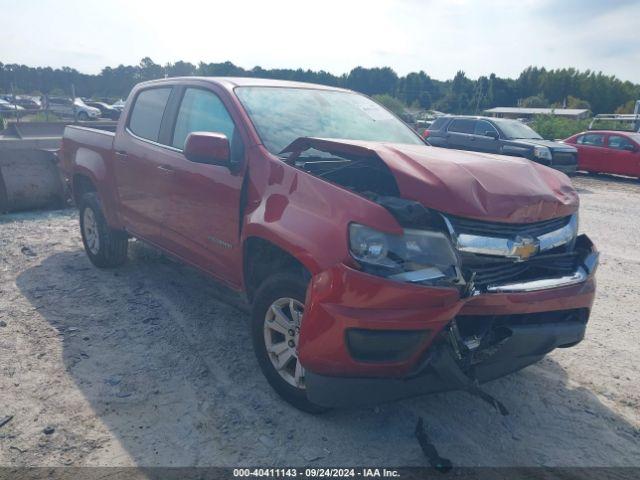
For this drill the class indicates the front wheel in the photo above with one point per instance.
(105, 246)
(278, 309)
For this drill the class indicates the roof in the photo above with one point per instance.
(538, 111)
(472, 117)
(231, 82)
(634, 135)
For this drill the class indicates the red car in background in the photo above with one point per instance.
(608, 151)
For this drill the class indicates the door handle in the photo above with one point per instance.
(165, 169)
(121, 153)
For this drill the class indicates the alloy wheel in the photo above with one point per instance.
(90, 227)
(281, 335)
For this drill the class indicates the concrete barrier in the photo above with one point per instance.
(29, 176)
(29, 180)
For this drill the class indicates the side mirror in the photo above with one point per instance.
(491, 133)
(629, 148)
(207, 147)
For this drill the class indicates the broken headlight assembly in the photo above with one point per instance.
(425, 257)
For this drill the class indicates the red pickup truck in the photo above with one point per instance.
(377, 266)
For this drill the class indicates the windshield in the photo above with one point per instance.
(282, 115)
(514, 129)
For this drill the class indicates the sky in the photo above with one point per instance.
(437, 36)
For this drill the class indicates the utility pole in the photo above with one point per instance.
(15, 106)
(73, 103)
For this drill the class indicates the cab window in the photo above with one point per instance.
(592, 139)
(438, 124)
(148, 109)
(462, 125)
(620, 143)
(482, 127)
(201, 111)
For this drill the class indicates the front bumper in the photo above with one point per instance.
(342, 300)
(441, 370)
(566, 169)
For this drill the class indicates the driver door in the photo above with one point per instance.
(485, 138)
(202, 203)
(624, 155)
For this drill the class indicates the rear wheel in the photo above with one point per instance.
(105, 246)
(278, 310)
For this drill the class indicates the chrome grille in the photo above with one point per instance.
(564, 158)
(506, 230)
(495, 271)
(488, 262)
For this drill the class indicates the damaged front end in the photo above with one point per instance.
(447, 303)
(441, 247)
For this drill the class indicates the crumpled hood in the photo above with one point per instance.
(546, 143)
(467, 184)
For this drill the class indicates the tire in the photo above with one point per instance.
(281, 287)
(105, 247)
(83, 116)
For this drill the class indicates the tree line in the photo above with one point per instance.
(534, 87)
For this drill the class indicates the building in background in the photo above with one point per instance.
(522, 112)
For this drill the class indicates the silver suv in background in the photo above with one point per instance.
(75, 108)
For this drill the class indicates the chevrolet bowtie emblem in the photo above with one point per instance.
(524, 248)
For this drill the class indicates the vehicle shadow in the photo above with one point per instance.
(168, 368)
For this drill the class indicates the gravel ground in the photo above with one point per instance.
(151, 365)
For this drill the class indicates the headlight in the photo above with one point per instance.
(542, 153)
(417, 256)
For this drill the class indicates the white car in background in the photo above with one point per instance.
(119, 105)
(66, 107)
(8, 107)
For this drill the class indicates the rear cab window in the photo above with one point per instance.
(146, 117)
(462, 125)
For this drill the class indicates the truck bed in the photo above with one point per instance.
(81, 144)
(100, 137)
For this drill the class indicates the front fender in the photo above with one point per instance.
(304, 215)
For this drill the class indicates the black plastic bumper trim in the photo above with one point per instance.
(526, 345)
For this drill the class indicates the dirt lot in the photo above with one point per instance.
(146, 365)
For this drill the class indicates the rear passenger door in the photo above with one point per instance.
(460, 132)
(140, 171)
